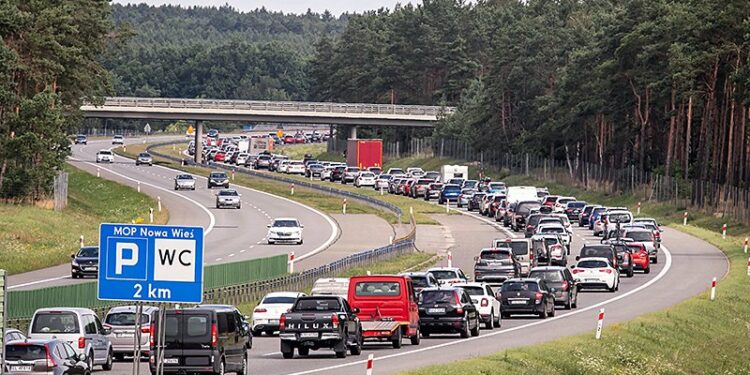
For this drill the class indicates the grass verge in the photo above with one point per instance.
(313, 198)
(682, 339)
(32, 238)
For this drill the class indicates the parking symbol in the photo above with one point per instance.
(123, 257)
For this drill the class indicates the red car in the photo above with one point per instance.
(387, 306)
(299, 138)
(640, 257)
(550, 200)
(288, 139)
(220, 156)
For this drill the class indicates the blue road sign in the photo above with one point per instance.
(150, 263)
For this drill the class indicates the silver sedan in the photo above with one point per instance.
(184, 182)
(228, 198)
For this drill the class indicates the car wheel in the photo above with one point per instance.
(107, 366)
(465, 332)
(613, 288)
(257, 332)
(490, 323)
(656, 260)
(424, 334)
(304, 352)
(569, 302)
(504, 315)
(119, 356)
(341, 354)
(396, 341)
(475, 331)
(270, 242)
(239, 206)
(543, 314)
(416, 338)
(647, 270)
(499, 321)
(243, 369)
(630, 272)
(300, 242)
(357, 349)
(287, 354)
(90, 361)
(552, 310)
(221, 368)
(575, 302)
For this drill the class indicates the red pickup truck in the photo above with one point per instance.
(387, 308)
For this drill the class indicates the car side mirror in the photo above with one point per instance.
(107, 331)
(476, 259)
(301, 226)
(72, 256)
(81, 357)
(578, 257)
(572, 266)
(268, 225)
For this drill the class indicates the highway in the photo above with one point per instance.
(231, 235)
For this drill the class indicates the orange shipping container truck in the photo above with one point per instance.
(364, 153)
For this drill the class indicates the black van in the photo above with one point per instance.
(207, 340)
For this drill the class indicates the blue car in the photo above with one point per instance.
(595, 216)
(450, 192)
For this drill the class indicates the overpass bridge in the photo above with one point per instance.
(358, 114)
(199, 110)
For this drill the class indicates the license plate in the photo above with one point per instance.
(125, 335)
(308, 335)
(273, 321)
(592, 279)
(440, 310)
(90, 268)
(20, 368)
(171, 361)
(521, 302)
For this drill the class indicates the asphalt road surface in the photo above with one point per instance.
(231, 234)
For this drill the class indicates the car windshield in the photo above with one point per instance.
(474, 290)
(218, 175)
(144, 155)
(518, 248)
(367, 174)
(520, 286)
(640, 236)
(557, 230)
(596, 252)
(53, 322)
(352, 169)
(385, 177)
(377, 289)
(25, 352)
(495, 255)
(105, 152)
(285, 223)
(623, 218)
(419, 281)
(320, 304)
(88, 252)
(592, 264)
(397, 171)
(279, 300)
(525, 208)
(451, 188)
(124, 319)
(551, 276)
(576, 204)
(437, 296)
(444, 274)
(425, 181)
(228, 193)
(497, 185)
(184, 177)
(470, 183)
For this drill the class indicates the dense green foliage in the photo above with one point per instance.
(658, 84)
(48, 66)
(216, 52)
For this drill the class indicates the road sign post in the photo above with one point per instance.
(599, 324)
(3, 315)
(150, 263)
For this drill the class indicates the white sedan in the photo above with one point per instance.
(596, 273)
(266, 315)
(105, 156)
(365, 179)
(484, 299)
(295, 167)
(285, 230)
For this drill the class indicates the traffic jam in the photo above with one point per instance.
(532, 270)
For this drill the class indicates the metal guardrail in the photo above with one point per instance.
(302, 107)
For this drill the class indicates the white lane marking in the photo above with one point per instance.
(334, 227)
(488, 221)
(658, 277)
(243, 250)
(39, 282)
(218, 259)
(211, 217)
(231, 255)
(271, 354)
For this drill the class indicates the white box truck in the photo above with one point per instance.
(449, 172)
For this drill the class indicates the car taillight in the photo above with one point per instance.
(607, 270)
(529, 227)
(151, 335)
(214, 335)
(146, 329)
(564, 285)
(50, 360)
(282, 323)
(485, 302)
(260, 310)
(81, 342)
(568, 210)
(459, 307)
(576, 270)
(335, 321)
(538, 295)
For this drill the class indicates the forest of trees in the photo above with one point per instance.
(48, 66)
(657, 84)
(215, 52)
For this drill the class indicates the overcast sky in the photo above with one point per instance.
(287, 6)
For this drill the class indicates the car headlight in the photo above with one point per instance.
(74, 262)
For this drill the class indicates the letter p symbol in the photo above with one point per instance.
(120, 260)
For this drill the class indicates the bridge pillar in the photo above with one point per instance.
(198, 157)
(353, 132)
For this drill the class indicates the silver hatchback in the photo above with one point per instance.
(121, 320)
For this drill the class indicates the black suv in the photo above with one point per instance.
(526, 296)
(85, 262)
(447, 310)
(600, 251)
(561, 284)
(218, 179)
(209, 339)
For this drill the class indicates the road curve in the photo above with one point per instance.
(231, 235)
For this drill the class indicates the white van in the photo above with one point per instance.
(79, 327)
(521, 193)
(521, 248)
(338, 286)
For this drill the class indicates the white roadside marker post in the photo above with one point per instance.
(447, 206)
(684, 218)
(724, 231)
(97, 173)
(745, 245)
(713, 289)
(80, 241)
(369, 364)
(291, 262)
(139, 186)
(599, 324)
(450, 259)
(158, 202)
(638, 210)
(343, 208)
(151, 215)
(292, 189)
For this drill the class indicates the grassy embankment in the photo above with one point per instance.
(33, 238)
(694, 337)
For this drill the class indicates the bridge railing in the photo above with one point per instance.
(303, 107)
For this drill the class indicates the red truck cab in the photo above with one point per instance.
(387, 308)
